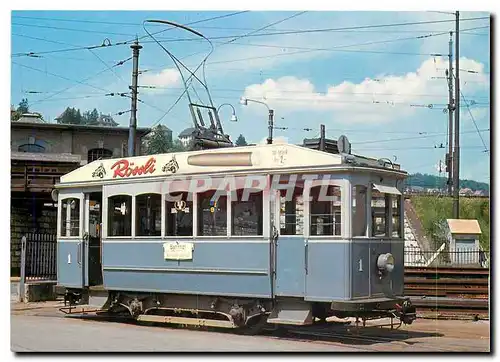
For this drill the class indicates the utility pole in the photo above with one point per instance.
(456, 155)
(451, 105)
(133, 110)
(270, 126)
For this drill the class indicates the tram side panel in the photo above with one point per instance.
(218, 267)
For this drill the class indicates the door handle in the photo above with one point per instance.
(79, 253)
(306, 252)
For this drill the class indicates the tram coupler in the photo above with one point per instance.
(406, 312)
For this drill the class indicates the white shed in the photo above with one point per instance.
(463, 239)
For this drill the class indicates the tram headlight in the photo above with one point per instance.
(385, 262)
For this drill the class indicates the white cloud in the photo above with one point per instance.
(372, 100)
(167, 77)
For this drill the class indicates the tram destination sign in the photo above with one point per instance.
(178, 251)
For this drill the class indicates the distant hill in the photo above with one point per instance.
(431, 181)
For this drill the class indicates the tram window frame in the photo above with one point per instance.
(222, 200)
(359, 193)
(289, 212)
(155, 214)
(334, 210)
(169, 204)
(397, 230)
(384, 224)
(257, 207)
(72, 219)
(111, 208)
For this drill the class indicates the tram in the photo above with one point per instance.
(234, 237)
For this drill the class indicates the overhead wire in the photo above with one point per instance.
(475, 124)
(204, 60)
(265, 34)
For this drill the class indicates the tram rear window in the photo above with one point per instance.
(70, 221)
(325, 210)
(212, 214)
(179, 215)
(120, 215)
(291, 212)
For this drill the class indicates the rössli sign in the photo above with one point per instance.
(124, 168)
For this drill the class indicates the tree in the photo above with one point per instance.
(241, 141)
(158, 141)
(178, 146)
(70, 116)
(22, 108)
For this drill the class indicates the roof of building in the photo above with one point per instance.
(188, 132)
(464, 226)
(19, 124)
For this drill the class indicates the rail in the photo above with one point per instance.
(448, 292)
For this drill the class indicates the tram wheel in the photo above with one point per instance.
(254, 326)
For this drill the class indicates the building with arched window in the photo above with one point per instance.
(40, 153)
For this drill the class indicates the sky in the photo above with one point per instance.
(363, 74)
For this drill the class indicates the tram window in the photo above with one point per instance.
(380, 208)
(71, 226)
(292, 213)
(359, 218)
(212, 214)
(396, 212)
(148, 215)
(325, 210)
(247, 214)
(179, 215)
(120, 215)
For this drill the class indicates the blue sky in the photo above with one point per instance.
(373, 84)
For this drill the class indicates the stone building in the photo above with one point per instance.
(42, 152)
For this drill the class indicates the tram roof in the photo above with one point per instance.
(250, 159)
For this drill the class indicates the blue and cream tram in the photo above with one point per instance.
(234, 237)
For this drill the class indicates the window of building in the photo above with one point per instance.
(325, 210)
(291, 212)
(359, 218)
(380, 209)
(98, 154)
(148, 215)
(179, 215)
(247, 214)
(212, 214)
(120, 215)
(31, 148)
(70, 223)
(397, 231)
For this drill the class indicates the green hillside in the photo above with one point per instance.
(433, 211)
(431, 181)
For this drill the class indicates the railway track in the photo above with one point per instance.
(451, 293)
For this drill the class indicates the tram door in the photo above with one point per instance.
(94, 244)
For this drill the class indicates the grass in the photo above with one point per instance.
(432, 211)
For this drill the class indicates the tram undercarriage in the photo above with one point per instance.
(244, 315)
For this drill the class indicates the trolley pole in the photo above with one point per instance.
(449, 157)
(456, 156)
(133, 110)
